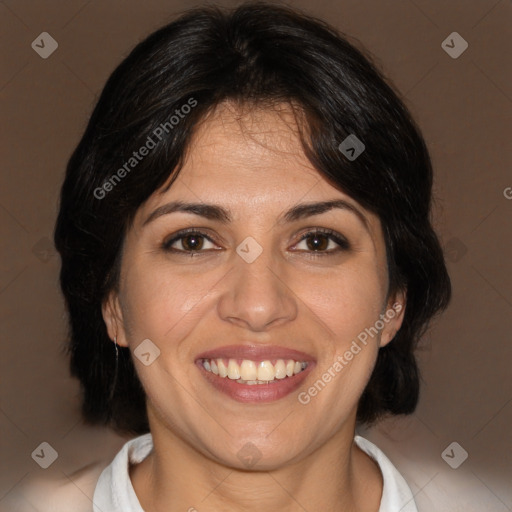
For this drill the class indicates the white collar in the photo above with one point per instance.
(114, 490)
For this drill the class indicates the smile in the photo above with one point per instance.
(255, 373)
(251, 372)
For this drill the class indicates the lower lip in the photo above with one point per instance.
(256, 393)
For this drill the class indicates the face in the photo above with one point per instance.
(256, 282)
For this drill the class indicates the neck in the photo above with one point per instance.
(334, 477)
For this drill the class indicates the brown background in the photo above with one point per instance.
(464, 108)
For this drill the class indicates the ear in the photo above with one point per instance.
(393, 317)
(113, 317)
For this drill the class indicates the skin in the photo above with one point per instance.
(253, 165)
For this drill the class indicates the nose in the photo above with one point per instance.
(257, 294)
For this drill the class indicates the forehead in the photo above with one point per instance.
(272, 127)
(250, 161)
(243, 154)
(253, 141)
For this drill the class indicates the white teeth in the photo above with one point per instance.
(251, 382)
(266, 371)
(248, 370)
(223, 371)
(233, 370)
(280, 368)
(251, 373)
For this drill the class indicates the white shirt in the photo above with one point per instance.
(114, 491)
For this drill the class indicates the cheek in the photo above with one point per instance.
(346, 303)
(346, 307)
(162, 305)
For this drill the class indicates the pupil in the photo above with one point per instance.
(316, 242)
(192, 242)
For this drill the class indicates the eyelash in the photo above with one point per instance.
(332, 235)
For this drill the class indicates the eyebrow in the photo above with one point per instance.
(218, 213)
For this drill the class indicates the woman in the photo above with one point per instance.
(248, 265)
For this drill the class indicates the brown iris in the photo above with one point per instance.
(317, 242)
(192, 242)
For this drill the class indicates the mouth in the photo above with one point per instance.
(254, 373)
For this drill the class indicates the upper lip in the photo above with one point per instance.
(255, 353)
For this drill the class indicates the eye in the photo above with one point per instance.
(322, 241)
(189, 241)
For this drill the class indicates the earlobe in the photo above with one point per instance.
(393, 317)
(113, 318)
